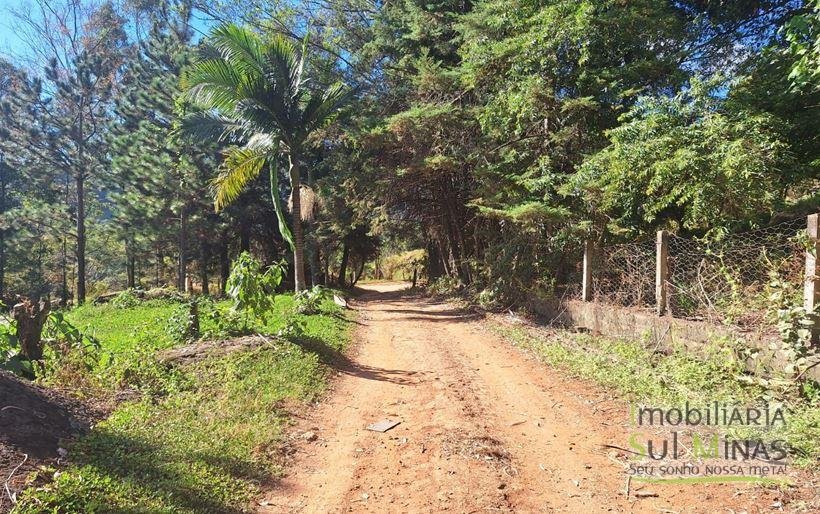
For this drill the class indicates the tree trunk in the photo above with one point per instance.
(313, 255)
(224, 266)
(326, 273)
(181, 261)
(30, 318)
(2, 265)
(298, 234)
(3, 209)
(80, 179)
(129, 268)
(454, 238)
(343, 265)
(64, 273)
(204, 257)
(312, 243)
(244, 233)
(434, 270)
(358, 273)
(158, 268)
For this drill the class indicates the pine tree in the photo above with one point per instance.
(155, 176)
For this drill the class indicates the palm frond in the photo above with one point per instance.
(241, 165)
(214, 84)
(296, 77)
(287, 235)
(281, 66)
(322, 109)
(239, 46)
(210, 125)
(263, 143)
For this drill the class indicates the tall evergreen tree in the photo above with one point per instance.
(155, 175)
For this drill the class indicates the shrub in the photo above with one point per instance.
(125, 299)
(251, 289)
(309, 300)
(10, 358)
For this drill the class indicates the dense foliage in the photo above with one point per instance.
(493, 136)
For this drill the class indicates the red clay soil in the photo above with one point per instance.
(484, 428)
(34, 423)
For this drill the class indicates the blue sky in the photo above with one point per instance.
(9, 42)
(11, 45)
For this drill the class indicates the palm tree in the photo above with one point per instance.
(252, 93)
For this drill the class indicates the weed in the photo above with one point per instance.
(200, 438)
(679, 376)
(309, 300)
(125, 299)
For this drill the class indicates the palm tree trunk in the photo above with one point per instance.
(298, 233)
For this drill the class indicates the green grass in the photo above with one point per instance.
(122, 329)
(207, 435)
(670, 380)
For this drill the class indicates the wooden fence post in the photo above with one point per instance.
(811, 287)
(589, 258)
(662, 273)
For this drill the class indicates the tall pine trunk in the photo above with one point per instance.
(64, 273)
(181, 262)
(204, 257)
(158, 270)
(224, 266)
(130, 270)
(3, 209)
(80, 181)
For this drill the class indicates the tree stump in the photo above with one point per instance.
(30, 317)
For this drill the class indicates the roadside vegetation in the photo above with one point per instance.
(645, 375)
(202, 436)
(155, 153)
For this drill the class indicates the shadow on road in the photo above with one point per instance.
(342, 363)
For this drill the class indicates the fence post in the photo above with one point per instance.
(662, 272)
(811, 287)
(589, 257)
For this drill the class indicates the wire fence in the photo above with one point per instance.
(725, 280)
(721, 280)
(625, 275)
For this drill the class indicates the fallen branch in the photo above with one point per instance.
(806, 369)
(202, 349)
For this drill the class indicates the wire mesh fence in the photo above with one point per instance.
(625, 275)
(719, 279)
(725, 280)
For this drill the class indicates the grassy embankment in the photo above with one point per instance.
(198, 438)
(671, 379)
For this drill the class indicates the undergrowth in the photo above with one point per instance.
(199, 438)
(670, 379)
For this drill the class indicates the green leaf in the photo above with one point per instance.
(277, 204)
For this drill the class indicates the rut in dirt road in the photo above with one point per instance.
(483, 427)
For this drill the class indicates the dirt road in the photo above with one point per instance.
(483, 428)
